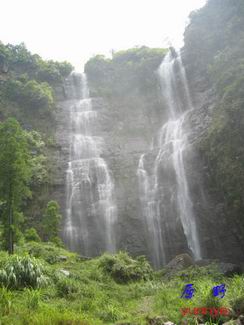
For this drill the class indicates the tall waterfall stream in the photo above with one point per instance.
(91, 211)
(171, 144)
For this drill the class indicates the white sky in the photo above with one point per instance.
(75, 30)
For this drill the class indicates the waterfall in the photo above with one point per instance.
(91, 212)
(152, 213)
(164, 190)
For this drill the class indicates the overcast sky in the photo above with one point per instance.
(75, 30)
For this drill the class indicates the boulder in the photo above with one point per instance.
(229, 269)
(180, 262)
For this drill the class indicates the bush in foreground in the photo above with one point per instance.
(124, 268)
(22, 272)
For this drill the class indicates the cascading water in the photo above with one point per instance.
(164, 190)
(91, 213)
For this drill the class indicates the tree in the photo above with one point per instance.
(15, 174)
(51, 221)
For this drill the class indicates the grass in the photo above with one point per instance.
(91, 296)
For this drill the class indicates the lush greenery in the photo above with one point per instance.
(15, 173)
(16, 58)
(122, 268)
(77, 291)
(28, 83)
(215, 48)
(23, 170)
(126, 71)
(51, 221)
(22, 272)
(28, 88)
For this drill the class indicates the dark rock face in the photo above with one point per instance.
(129, 126)
(219, 238)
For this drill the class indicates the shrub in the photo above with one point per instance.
(51, 221)
(238, 305)
(32, 235)
(46, 252)
(37, 95)
(33, 298)
(67, 288)
(6, 298)
(22, 272)
(30, 94)
(124, 268)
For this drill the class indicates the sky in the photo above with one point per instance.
(75, 30)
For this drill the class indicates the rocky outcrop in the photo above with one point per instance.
(129, 126)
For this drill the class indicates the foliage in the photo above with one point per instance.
(20, 60)
(54, 72)
(123, 268)
(67, 288)
(127, 70)
(38, 158)
(215, 47)
(14, 175)
(22, 272)
(33, 298)
(6, 297)
(30, 94)
(32, 235)
(51, 221)
(49, 252)
(89, 295)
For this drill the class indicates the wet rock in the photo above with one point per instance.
(229, 269)
(180, 262)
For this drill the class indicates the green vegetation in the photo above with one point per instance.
(126, 71)
(17, 59)
(28, 88)
(30, 94)
(28, 84)
(77, 291)
(215, 47)
(32, 235)
(45, 284)
(51, 221)
(15, 173)
(22, 272)
(122, 268)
